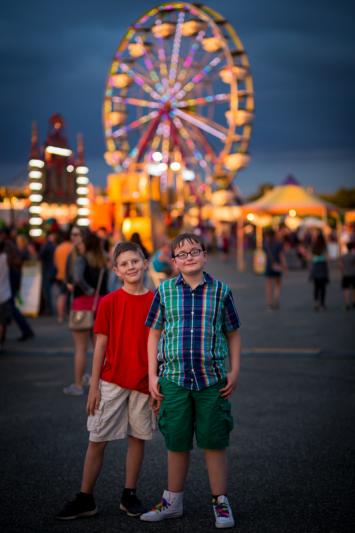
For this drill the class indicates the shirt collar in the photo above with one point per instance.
(206, 279)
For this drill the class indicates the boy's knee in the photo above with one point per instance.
(135, 440)
(97, 446)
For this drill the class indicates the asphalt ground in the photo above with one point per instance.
(292, 450)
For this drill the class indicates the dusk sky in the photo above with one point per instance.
(55, 57)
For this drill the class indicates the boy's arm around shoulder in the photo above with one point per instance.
(234, 342)
(94, 395)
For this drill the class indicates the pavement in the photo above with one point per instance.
(292, 450)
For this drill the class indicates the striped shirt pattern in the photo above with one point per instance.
(193, 345)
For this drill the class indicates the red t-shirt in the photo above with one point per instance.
(121, 317)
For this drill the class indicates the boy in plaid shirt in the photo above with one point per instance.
(194, 328)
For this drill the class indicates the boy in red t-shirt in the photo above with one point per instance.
(118, 400)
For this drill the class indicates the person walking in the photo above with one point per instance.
(319, 273)
(118, 401)
(275, 267)
(347, 266)
(15, 259)
(89, 278)
(61, 255)
(5, 295)
(46, 256)
(194, 328)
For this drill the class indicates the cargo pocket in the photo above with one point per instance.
(162, 422)
(94, 422)
(227, 415)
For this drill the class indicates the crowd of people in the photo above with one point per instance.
(314, 252)
(71, 262)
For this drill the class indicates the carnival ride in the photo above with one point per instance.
(179, 100)
(57, 179)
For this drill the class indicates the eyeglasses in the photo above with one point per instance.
(195, 252)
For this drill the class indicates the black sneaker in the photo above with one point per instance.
(130, 504)
(25, 336)
(83, 505)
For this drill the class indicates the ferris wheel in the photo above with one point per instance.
(179, 92)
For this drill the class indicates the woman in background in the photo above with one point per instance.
(275, 266)
(319, 271)
(89, 275)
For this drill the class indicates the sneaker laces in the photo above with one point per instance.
(161, 506)
(222, 510)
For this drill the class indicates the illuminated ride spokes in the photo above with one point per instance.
(179, 92)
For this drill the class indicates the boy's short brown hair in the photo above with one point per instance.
(189, 237)
(126, 246)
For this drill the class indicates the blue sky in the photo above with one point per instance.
(55, 57)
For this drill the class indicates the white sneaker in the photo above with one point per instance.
(86, 380)
(222, 512)
(170, 506)
(73, 390)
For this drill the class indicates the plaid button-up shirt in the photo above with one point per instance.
(193, 345)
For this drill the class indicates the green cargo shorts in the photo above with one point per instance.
(184, 413)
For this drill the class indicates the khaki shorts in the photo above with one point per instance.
(121, 412)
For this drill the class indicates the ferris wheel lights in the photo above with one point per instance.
(211, 44)
(240, 117)
(188, 175)
(111, 145)
(175, 166)
(36, 163)
(240, 72)
(82, 170)
(227, 74)
(137, 49)
(121, 81)
(163, 30)
(156, 169)
(243, 117)
(35, 174)
(83, 211)
(35, 185)
(115, 118)
(109, 158)
(182, 97)
(192, 27)
(56, 150)
(70, 168)
(157, 157)
(236, 161)
(115, 158)
(162, 167)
